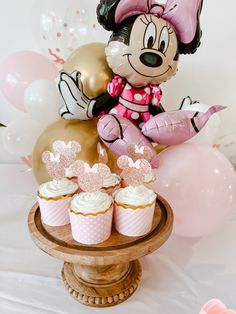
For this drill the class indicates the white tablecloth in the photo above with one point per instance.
(177, 279)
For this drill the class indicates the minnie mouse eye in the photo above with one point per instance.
(150, 36)
(164, 40)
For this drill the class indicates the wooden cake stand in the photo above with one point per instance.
(105, 274)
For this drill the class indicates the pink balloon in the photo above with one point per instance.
(19, 70)
(200, 185)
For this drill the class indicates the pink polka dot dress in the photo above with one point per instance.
(133, 103)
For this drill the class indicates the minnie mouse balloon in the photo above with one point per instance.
(210, 133)
(143, 51)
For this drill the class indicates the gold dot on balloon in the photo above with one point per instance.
(58, 49)
(65, 25)
(44, 37)
(59, 34)
(77, 12)
(94, 26)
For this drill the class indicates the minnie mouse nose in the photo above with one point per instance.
(151, 60)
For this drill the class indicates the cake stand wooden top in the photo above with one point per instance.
(58, 241)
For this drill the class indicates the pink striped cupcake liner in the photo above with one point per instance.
(54, 212)
(134, 221)
(91, 228)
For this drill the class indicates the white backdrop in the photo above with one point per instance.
(208, 76)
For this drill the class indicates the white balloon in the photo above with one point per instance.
(42, 101)
(211, 130)
(227, 146)
(20, 136)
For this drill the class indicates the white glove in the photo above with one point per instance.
(77, 106)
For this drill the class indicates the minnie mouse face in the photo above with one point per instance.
(148, 36)
(144, 50)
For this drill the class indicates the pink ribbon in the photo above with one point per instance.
(181, 14)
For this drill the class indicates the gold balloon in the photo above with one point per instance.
(85, 132)
(90, 61)
(160, 148)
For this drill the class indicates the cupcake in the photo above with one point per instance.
(70, 175)
(111, 184)
(54, 198)
(91, 211)
(149, 178)
(91, 217)
(139, 153)
(134, 204)
(134, 210)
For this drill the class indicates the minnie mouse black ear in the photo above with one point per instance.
(196, 42)
(106, 13)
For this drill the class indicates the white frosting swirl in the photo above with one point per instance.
(57, 188)
(111, 181)
(69, 173)
(149, 177)
(135, 196)
(91, 203)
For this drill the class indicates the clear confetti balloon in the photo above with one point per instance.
(61, 26)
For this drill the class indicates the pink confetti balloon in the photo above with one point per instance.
(19, 70)
(200, 185)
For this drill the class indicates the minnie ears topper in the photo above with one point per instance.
(143, 152)
(61, 158)
(68, 150)
(90, 179)
(133, 172)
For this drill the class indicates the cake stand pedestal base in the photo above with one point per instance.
(107, 273)
(101, 286)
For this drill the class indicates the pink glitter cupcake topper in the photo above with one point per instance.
(55, 164)
(142, 152)
(68, 150)
(134, 172)
(90, 179)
